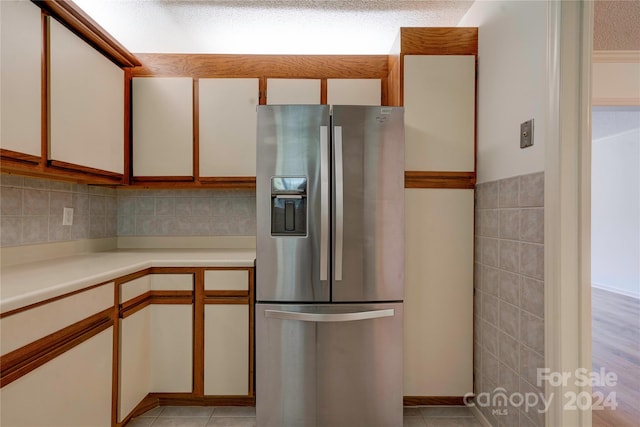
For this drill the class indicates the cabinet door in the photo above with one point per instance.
(226, 349)
(20, 76)
(171, 346)
(162, 126)
(87, 104)
(228, 126)
(134, 380)
(439, 102)
(354, 92)
(73, 389)
(293, 91)
(438, 308)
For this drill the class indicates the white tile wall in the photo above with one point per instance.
(509, 292)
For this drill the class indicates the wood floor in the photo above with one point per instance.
(616, 348)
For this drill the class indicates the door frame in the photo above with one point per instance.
(568, 205)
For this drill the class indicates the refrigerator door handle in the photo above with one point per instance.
(337, 131)
(324, 201)
(329, 317)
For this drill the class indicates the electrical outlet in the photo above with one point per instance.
(67, 216)
(526, 134)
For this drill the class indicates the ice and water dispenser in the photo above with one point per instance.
(289, 206)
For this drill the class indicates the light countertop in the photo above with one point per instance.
(29, 283)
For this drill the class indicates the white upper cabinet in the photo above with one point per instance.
(20, 74)
(228, 126)
(86, 104)
(293, 91)
(439, 102)
(162, 126)
(354, 92)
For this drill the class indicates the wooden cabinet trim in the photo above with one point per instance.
(439, 40)
(196, 129)
(198, 334)
(74, 18)
(57, 164)
(21, 361)
(188, 399)
(239, 183)
(155, 297)
(16, 156)
(273, 66)
(226, 294)
(437, 179)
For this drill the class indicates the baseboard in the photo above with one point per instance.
(616, 290)
(147, 404)
(153, 400)
(480, 416)
(433, 400)
(188, 399)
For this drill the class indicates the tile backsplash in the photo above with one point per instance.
(32, 208)
(204, 212)
(509, 294)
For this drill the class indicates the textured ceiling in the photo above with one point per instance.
(275, 27)
(616, 25)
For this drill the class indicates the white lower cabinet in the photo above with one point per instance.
(438, 307)
(171, 348)
(156, 343)
(226, 349)
(134, 374)
(73, 389)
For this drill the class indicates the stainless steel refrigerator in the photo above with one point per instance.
(329, 266)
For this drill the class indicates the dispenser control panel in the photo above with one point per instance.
(289, 206)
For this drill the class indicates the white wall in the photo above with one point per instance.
(511, 84)
(615, 200)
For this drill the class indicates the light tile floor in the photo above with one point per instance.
(197, 416)
(244, 416)
(439, 416)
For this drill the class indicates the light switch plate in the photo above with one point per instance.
(526, 134)
(67, 216)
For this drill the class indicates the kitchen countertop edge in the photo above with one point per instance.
(26, 284)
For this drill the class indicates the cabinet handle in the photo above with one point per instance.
(329, 317)
(337, 132)
(324, 201)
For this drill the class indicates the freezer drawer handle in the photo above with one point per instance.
(329, 317)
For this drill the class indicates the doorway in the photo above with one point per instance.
(615, 264)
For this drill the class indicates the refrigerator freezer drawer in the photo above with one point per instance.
(329, 365)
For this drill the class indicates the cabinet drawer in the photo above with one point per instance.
(171, 282)
(226, 280)
(30, 325)
(134, 288)
(155, 282)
